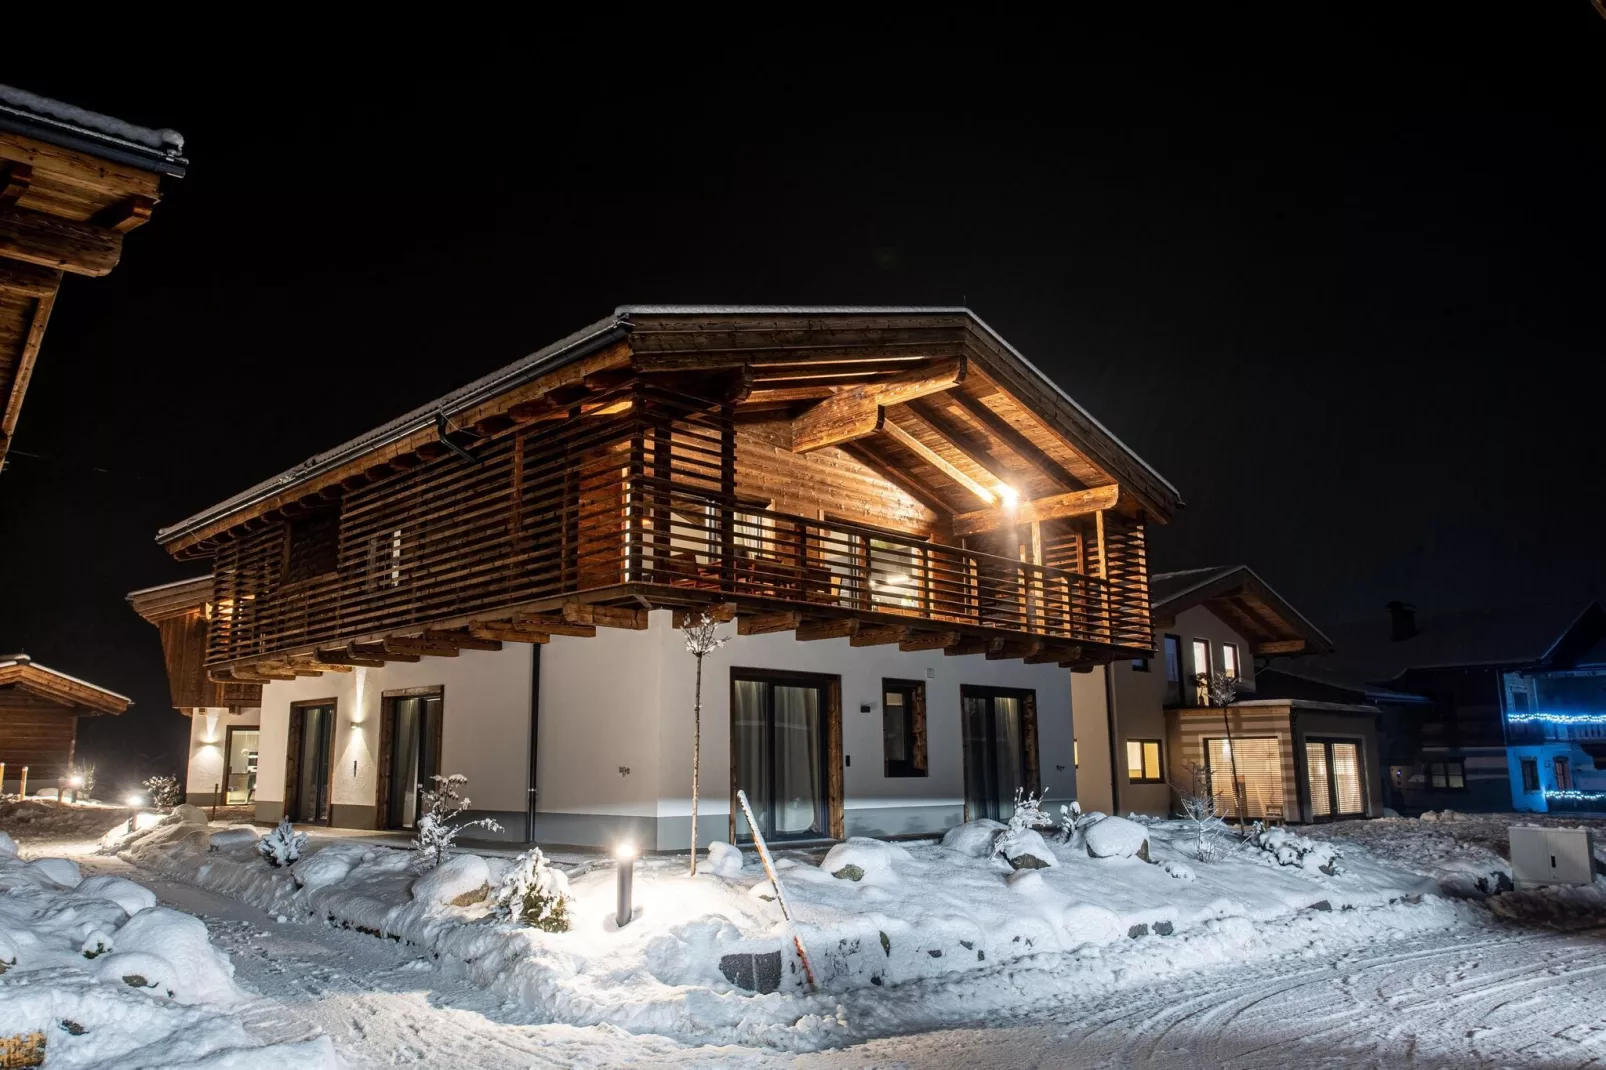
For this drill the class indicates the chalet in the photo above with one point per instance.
(912, 531)
(1302, 749)
(72, 183)
(39, 712)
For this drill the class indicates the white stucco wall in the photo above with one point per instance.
(485, 726)
(208, 735)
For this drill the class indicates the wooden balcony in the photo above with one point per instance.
(628, 507)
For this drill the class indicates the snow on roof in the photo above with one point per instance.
(8, 660)
(166, 586)
(104, 135)
(1167, 587)
(562, 352)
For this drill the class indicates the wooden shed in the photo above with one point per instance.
(39, 711)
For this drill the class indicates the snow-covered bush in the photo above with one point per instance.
(282, 846)
(1291, 849)
(436, 833)
(724, 860)
(1200, 805)
(1020, 843)
(534, 893)
(1069, 814)
(165, 791)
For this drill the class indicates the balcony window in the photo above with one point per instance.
(313, 546)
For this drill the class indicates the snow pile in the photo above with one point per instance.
(111, 980)
(965, 934)
(235, 836)
(1291, 849)
(458, 881)
(170, 141)
(724, 859)
(974, 839)
(1117, 837)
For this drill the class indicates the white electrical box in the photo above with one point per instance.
(1542, 856)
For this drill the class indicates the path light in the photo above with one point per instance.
(625, 855)
(76, 780)
(135, 800)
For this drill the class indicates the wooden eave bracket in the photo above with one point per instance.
(1055, 507)
(859, 411)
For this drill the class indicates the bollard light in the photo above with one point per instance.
(135, 800)
(625, 856)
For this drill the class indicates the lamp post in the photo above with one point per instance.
(625, 857)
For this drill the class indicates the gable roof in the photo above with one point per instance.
(166, 600)
(1538, 636)
(1067, 416)
(1237, 595)
(21, 671)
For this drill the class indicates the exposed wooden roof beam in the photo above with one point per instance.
(47, 240)
(879, 634)
(957, 436)
(585, 613)
(29, 280)
(857, 412)
(1023, 446)
(15, 178)
(929, 641)
(836, 628)
(1009, 649)
(1055, 507)
(503, 631)
(867, 455)
(939, 462)
(1280, 646)
(126, 214)
(764, 623)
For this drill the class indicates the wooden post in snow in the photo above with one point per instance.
(775, 882)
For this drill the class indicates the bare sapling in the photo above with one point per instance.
(702, 639)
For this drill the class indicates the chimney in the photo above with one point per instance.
(1402, 620)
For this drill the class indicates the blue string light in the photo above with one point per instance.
(1573, 795)
(1557, 718)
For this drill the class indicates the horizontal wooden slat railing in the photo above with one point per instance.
(638, 487)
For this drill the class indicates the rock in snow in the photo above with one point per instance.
(453, 879)
(8, 846)
(61, 870)
(724, 860)
(328, 866)
(186, 814)
(1116, 837)
(187, 964)
(872, 858)
(231, 839)
(1026, 849)
(973, 838)
(1088, 924)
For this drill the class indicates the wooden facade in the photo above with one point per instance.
(895, 476)
(39, 711)
(181, 613)
(69, 191)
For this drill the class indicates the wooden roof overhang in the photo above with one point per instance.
(1249, 604)
(74, 696)
(933, 400)
(68, 194)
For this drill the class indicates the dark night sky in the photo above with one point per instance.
(1352, 308)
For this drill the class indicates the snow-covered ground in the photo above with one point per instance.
(1255, 972)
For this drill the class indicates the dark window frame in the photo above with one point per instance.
(915, 726)
(1444, 774)
(1529, 768)
(1561, 768)
(1201, 675)
(832, 746)
(1031, 760)
(1169, 642)
(1159, 760)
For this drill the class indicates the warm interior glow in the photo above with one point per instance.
(625, 852)
(1008, 495)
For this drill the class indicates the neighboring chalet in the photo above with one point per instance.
(914, 532)
(1301, 753)
(223, 716)
(1511, 707)
(72, 183)
(39, 711)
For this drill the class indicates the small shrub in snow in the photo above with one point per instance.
(282, 846)
(534, 893)
(1069, 815)
(1200, 806)
(165, 791)
(724, 860)
(1020, 842)
(1179, 870)
(1291, 849)
(436, 833)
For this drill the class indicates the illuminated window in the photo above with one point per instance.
(1140, 664)
(1076, 754)
(1143, 761)
(1229, 660)
(1201, 672)
(1451, 776)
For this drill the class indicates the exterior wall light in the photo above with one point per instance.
(625, 856)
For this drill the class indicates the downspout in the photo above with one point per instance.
(1115, 761)
(533, 793)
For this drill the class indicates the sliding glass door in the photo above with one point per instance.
(999, 739)
(1337, 781)
(778, 754)
(312, 745)
(413, 731)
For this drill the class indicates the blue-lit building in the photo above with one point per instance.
(1512, 710)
